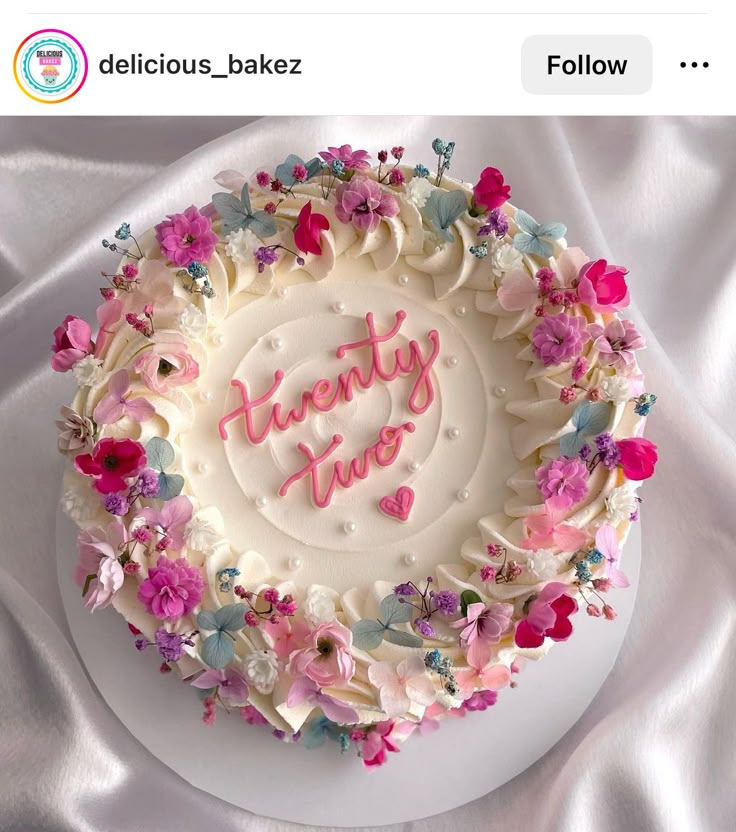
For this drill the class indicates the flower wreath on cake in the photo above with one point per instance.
(310, 662)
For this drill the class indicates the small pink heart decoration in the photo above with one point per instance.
(398, 505)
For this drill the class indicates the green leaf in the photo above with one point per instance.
(394, 612)
(218, 650)
(159, 453)
(231, 617)
(402, 638)
(169, 486)
(468, 597)
(367, 633)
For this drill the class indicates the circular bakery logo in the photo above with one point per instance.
(50, 66)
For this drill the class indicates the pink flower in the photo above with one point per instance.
(165, 365)
(98, 555)
(309, 228)
(491, 191)
(306, 690)
(637, 457)
(186, 238)
(352, 159)
(286, 636)
(603, 287)
(171, 520)
(72, 342)
(231, 685)
(253, 716)
(619, 339)
(565, 478)
(401, 685)
(364, 202)
(111, 462)
(559, 338)
(546, 529)
(117, 402)
(326, 657)
(481, 701)
(549, 616)
(377, 742)
(156, 289)
(482, 627)
(172, 589)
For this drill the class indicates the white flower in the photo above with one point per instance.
(543, 564)
(505, 258)
(88, 371)
(79, 502)
(621, 503)
(193, 323)
(241, 246)
(202, 534)
(319, 604)
(418, 191)
(615, 389)
(261, 669)
(402, 685)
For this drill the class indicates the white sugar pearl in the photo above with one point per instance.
(261, 502)
(282, 292)
(349, 527)
(463, 495)
(499, 391)
(339, 307)
(218, 339)
(453, 433)
(403, 279)
(203, 467)
(414, 466)
(452, 361)
(206, 396)
(461, 311)
(295, 563)
(276, 343)
(410, 558)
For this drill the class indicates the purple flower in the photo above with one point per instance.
(148, 483)
(481, 700)
(141, 644)
(563, 477)
(584, 452)
(424, 628)
(265, 256)
(608, 450)
(559, 338)
(618, 340)
(170, 645)
(351, 159)
(364, 202)
(496, 223)
(446, 602)
(186, 238)
(116, 504)
(404, 589)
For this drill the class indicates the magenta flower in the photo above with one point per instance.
(618, 340)
(549, 616)
(72, 342)
(564, 478)
(166, 365)
(171, 521)
(172, 589)
(603, 287)
(482, 627)
(308, 230)
(364, 203)
(637, 457)
(111, 463)
(117, 403)
(490, 191)
(559, 338)
(351, 159)
(377, 742)
(326, 659)
(186, 238)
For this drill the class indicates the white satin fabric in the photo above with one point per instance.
(655, 750)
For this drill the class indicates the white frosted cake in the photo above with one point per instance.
(352, 441)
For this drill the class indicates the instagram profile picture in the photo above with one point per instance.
(50, 66)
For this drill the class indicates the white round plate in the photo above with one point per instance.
(247, 767)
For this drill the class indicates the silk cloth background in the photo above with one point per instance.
(655, 750)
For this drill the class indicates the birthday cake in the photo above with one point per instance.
(353, 441)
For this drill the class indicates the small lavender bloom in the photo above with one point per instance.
(446, 602)
(141, 644)
(424, 628)
(584, 453)
(278, 733)
(148, 482)
(265, 256)
(498, 222)
(404, 589)
(116, 504)
(169, 645)
(610, 454)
